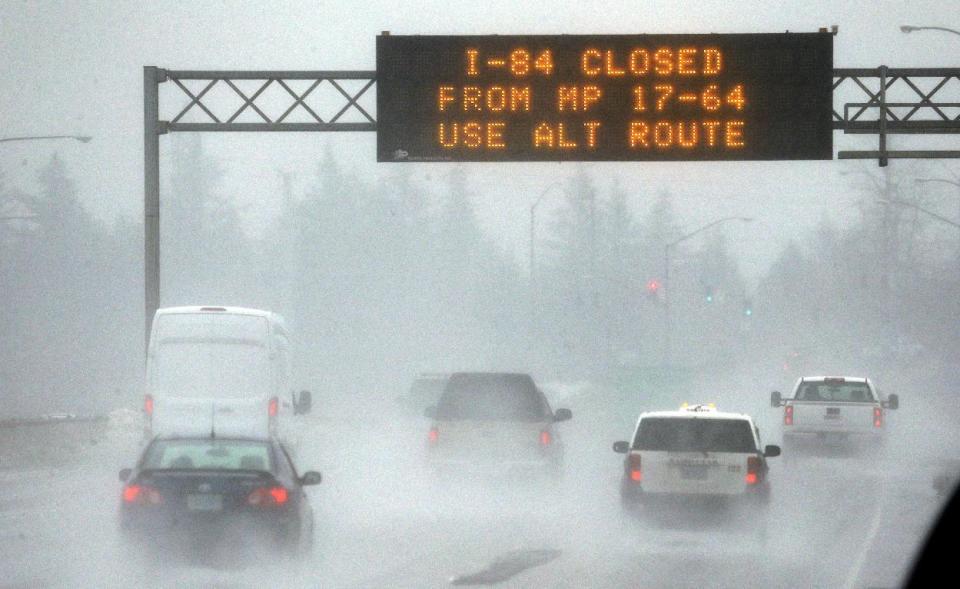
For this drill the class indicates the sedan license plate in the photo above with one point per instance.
(696, 473)
(205, 502)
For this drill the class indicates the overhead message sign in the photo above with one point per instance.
(604, 98)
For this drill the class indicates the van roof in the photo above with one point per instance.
(215, 309)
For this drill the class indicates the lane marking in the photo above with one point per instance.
(855, 570)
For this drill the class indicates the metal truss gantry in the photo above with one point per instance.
(897, 101)
(222, 116)
(880, 101)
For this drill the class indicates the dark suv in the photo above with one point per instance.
(491, 423)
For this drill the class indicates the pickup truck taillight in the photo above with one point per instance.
(753, 470)
(877, 417)
(788, 415)
(633, 468)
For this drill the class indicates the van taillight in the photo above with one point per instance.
(753, 470)
(633, 468)
(877, 417)
(272, 407)
(545, 439)
(788, 415)
(148, 404)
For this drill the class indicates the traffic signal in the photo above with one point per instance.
(747, 308)
(708, 295)
(653, 289)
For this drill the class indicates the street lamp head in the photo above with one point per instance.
(746, 219)
(83, 138)
(907, 29)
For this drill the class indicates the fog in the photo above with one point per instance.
(384, 272)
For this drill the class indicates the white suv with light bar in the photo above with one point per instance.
(833, 407)
(696, 452)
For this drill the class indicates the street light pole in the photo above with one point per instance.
(910, 29)
(533, 241)
(668, 319)
(943, 181)
(80, 138)
(910, 205)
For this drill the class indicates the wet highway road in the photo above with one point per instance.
(836, 520)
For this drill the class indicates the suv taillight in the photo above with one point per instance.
(141, 495)
(877, 417)
(148, 404)
(788, 415)
(545, 438)
(633, 468)
(753, 470)
(268, 497)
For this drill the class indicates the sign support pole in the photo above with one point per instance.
(152, 76)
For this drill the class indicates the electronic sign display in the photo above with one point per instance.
(605, 97)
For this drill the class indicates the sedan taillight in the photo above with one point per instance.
(268, 497)
(141, 495)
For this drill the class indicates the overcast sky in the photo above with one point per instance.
(76, 67)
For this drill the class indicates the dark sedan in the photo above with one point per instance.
(214, 496)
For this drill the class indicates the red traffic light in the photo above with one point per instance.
(653, 286)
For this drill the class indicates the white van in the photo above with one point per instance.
(223, 363)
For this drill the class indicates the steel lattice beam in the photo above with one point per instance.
(220, 118)
(893, 101)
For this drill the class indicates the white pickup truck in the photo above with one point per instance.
(833, 407)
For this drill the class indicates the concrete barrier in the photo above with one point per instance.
(50, 442)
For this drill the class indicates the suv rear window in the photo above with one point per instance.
(679, 434)
(492, 397)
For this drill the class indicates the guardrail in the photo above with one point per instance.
(52, 419)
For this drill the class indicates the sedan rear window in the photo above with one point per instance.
(492, 397)
(207, 455)
(676, 434)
